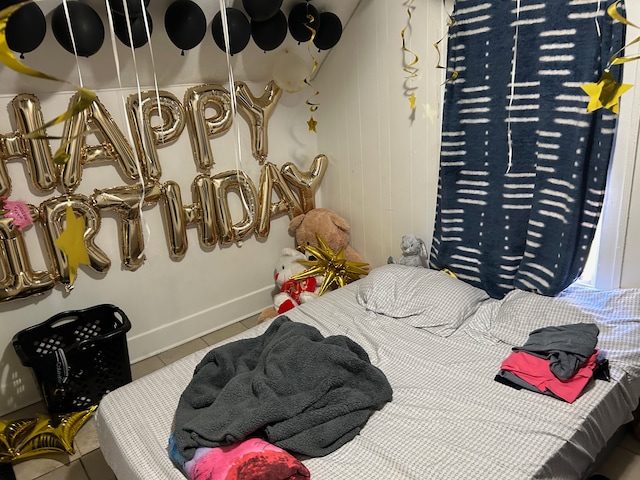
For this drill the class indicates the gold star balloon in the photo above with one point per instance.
(28, 437)
(606, 93)
(337, 271)
(71, 242)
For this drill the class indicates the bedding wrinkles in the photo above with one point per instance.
(295, 388)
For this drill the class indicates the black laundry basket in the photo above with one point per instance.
(77, 356)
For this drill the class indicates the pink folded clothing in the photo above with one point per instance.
(535, 371)
(248, 460)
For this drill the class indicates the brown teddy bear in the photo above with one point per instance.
(333, 229)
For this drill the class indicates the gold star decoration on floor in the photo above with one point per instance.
(28, 437)
(312, 124)
(606, 93)
(337, 271)
(71, 242)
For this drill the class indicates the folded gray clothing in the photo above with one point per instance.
(566, 346)
(295, 388)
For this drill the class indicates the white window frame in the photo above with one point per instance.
(608, 250)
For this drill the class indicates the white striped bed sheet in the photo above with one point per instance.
(448, 417)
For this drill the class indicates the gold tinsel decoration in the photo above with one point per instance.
(336, 271)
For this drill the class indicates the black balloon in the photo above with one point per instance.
(261, 10)
(239, 30)
(88, 31)
(270, 34)
(138, 29)
(302, 18)
(329, 32)
(26, 27)
(185, 23)
(134, 7)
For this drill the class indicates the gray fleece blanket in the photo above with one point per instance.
(291, 386)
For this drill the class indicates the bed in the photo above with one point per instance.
(440, 343)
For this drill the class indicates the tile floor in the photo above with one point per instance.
(623, 463)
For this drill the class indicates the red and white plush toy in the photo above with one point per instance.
(291, 293)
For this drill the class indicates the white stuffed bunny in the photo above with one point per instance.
(414, 252)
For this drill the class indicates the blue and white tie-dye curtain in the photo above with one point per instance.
(523, 165)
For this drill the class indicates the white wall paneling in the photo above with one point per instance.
(384, 157)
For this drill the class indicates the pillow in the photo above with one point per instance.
(478, 325)
(421, 297)
(616, 312)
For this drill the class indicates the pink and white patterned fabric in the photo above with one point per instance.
(250, 459)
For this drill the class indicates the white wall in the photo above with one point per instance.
(384, 157)
(630, 273)
(619, 248)
(630, 270)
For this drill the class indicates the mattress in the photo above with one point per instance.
(448, 418)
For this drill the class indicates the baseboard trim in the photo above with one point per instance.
(153, 342)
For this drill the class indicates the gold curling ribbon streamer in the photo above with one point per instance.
(450, 24)
(613, 12)
(312, 106)
(7, 57)
(606, 92)
(410, 67)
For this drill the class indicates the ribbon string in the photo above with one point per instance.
(234, 104)
(451, 21)
(312, 123)
(410, 59)
(141, 176)
(512, 89)
(409, 67)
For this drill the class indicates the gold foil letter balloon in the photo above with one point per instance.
(257, 112)
(19, 279)
(40, 165)
(175, 220)
(53, 212)
(204, 198)
(128, 201)
(197, 100)
(223, 184)
(28, 437)
(271, 179)
(114, 145)
(147, 137)
(11, 146)
(306, 182)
